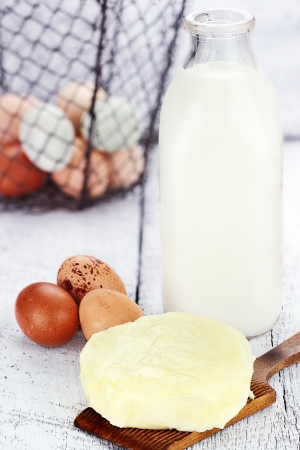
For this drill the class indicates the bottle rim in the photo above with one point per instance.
(219, 21)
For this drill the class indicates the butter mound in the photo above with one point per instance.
(172, 370)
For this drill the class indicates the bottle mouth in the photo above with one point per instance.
(217, 21)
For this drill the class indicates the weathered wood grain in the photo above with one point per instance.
(40, 387)
(41, 394)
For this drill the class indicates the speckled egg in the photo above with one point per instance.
(104, 308)
(81, 274)
(46, 314)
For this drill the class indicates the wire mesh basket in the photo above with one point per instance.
(80, 90)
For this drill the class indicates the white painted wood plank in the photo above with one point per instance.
(41, 391)
(277, 427)
(40, 388)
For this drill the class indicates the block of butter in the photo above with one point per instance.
(173, 370)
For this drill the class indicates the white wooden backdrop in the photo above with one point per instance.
(40, 388)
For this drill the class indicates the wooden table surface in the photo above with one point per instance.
(40, 389)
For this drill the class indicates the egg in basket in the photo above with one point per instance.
(86, 145)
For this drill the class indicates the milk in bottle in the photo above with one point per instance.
(220, 180)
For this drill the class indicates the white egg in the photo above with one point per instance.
(47, 137)
(117, 125)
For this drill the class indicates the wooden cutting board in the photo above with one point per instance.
(265, 367)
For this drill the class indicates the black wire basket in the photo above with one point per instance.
(81, 84)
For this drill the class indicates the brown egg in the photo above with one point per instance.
(104, 308)
(12, 109)
(70, 180)
(46, 314)
(127, 165)
(18, 176)
(75, 98)
(81, 274)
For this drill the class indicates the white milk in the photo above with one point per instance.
(220, 188)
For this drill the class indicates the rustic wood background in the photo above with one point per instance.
(40, 388)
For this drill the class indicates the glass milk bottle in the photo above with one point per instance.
(220, 179)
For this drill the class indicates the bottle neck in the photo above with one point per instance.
(235, 49)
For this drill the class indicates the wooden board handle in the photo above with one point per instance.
(277, 359)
